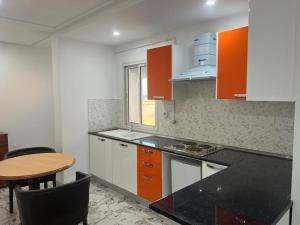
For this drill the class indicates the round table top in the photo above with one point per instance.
(34, 165)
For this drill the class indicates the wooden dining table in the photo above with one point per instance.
(31, 167)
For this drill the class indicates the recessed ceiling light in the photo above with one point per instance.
(210, 2)
(115, 33)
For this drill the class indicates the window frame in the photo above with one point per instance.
(137, 126)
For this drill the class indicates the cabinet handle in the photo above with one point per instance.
(101, 139)
(123, 145)
(240, 95)
(214, 167)
(148, 178)
(147, 164)
(147, 151)
(159, 97)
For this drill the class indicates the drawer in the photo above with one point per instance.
(150, 168)
(149, 187)
(205, 60)
(205, 38)
(3, 139)
(205, 49)
(149, 154)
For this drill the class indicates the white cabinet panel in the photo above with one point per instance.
(285, 220)
(101, 157)
(209, 169)
(271, 50)
(125, 166)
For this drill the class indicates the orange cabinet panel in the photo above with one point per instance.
(149, 174)
(159, 66)
(232, 64)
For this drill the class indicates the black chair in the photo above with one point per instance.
(23, 183)
(63, 205)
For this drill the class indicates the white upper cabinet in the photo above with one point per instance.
(271, 50)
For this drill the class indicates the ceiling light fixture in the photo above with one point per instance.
(115, 33)
(210, 2)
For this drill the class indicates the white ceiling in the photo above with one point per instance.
(31, 21)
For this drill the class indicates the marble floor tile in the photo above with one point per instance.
(107, 207)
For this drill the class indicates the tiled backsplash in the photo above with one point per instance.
(265, 126)
(104, 113)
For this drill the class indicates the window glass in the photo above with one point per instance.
(140, 110)
(148, 106)
(134, 95)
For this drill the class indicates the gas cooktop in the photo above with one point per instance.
(199, 149)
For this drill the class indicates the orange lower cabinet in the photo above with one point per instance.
(149, 174)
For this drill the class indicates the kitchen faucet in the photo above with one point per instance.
(130, 126)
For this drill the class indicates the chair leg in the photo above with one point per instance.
(84, 222)
(54, 183)
(11, 198)
(45, 184)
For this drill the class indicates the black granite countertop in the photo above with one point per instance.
(254, 188)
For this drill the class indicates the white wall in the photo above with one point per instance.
(82, 71)
(26, 103)
(296, 152)
(131, 53)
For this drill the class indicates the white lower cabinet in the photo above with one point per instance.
(209, 169)
(101, 157)
(125, 165)
(285, 220)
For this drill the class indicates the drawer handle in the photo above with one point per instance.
(123, 145)
(159, 97)
(148, 178)
(149, 165)
(147, 151)
(214, 167)
(202, 60)
(101, 139)
(240, 95)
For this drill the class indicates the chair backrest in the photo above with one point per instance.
(28, 151)
(63, 205)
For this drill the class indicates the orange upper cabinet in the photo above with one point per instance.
(162, 64)
(159, 64)
(232, 64)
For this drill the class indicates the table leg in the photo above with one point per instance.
(34, 184)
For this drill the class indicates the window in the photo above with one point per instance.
(140, 110)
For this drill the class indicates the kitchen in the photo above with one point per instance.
(228, 124)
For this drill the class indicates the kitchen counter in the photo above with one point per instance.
(255, 187)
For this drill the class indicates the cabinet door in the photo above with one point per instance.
(159, 66)
(272, 41)
(232, 64)
(209, 169)
(285, 220)
(125, 166)
(101, 158)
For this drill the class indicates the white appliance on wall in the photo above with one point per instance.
(184, 173)
(204, 58)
